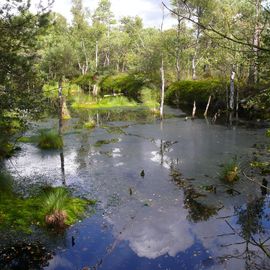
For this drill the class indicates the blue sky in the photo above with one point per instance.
(149, 10)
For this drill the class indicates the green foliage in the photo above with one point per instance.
(230, 171)
(149, 97)
(69, 89)
(182, 92)
(268, 133)
(259, 104)
(49, 139)
(85, 81)
(11, 124)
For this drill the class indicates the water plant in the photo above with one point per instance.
(230, 171)
(49, 139)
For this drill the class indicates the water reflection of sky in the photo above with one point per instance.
(150, 226)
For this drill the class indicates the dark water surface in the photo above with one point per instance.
(178, 216)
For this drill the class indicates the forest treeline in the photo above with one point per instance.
(216, 48)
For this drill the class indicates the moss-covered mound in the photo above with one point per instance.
(54, 207)
(186, 92)
(128, 84)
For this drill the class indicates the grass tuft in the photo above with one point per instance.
(230, 171)
(49, 140)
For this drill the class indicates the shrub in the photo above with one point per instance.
(185, 92)
(49, 139)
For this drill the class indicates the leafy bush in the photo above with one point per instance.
(185, 92)
(85, 81)
(49, 139)
(259, 105)
(51, 90)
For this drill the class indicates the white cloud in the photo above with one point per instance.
(149, 10)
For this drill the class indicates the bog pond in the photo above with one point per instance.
(159, 201)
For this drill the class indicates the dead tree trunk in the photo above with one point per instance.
(162, 73)
(60, 102)
(162, 89)
(232, 91)
(254, 65)
(96, 55)
(207, 106)
(193, 111)
(194, 57)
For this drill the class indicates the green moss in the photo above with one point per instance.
(21, 214)
(102, 142)
(49, 140)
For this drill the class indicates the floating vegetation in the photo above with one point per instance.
(230, 171)
(54, 207)
(102, 142)
(114, 130)
(49, 139)
(263, 166)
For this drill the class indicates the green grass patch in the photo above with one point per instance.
(49, 139)
(104, 103)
